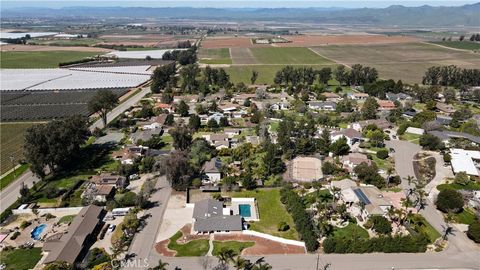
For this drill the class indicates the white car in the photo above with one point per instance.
(111, 227)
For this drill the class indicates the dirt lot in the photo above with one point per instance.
(405, 61)
(262, 246)
(41, 48)
(318, 40)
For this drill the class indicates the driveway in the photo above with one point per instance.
(144, 241)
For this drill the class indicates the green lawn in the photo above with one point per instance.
(350, 231)
(193, 248)
(414, 138)
(9, 178)
(21, 258)
(467, 216)
(470, 186)
(215, 56)
(11, 143)
(233, 245)
(49, 59)
(272, 212)
(383, 164)
(464, 45)
(66, 219)
(288, 56)
(168, 140)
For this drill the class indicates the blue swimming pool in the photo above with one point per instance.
(37, 231)
(244, 210)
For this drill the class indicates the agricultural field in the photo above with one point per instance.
(462, 45)
(11, 143)
(215, 56)
(243, 56)
(65, 42)
(43, 59)
(290, 56)
(407, 61)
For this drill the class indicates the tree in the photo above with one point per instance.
(223, 122)
(369, 108)
(341, 75)
(369, 174)
(226, 255)
(182, 137)
(381, 225)
(461, 178)
(473, 231)
(182, 108)
(449, 95)
(161, 266)
(102, 103)
(240, 263)
(163, 77)
(178, 170)
(254, 77)
(340, 147)
(324, 142)
(212, 124)
(324, 75)
(431, 142)
(449, 200)
(382, 154)
(194, 122)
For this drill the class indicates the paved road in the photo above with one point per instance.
(144, 241)
(10, 194)
(121, 108)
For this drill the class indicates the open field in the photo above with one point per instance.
(21, 258)
(407, 61)
(66, 42)
(462, 45)
(229, 42)
(147, 40)
(243, 56)
(215, 56)
(288, 56)
(11, 143)
(318, 40)
(43, 48)
(40, 59)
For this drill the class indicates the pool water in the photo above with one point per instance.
(37, 231)
(245, 210)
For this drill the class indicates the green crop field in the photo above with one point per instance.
(11, 143)
(406, 61)
(49, 59)
(464, 45)
(290, 56)
(215, 56)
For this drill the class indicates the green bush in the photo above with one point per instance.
(14, 235)
(449, 200)
(386, 244)
(283, 226)
(25, 224)
(381, 225)
(382, 154)
(474, 231)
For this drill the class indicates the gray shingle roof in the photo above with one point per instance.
(207, 208)
(219, 223)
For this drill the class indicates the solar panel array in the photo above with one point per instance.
(361, 196)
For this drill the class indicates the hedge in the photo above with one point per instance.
(386, 244)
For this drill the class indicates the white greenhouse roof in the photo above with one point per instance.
(155, 54)
(464, 161)
(139, 70)
(32, 34)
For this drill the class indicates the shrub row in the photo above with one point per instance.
(387, 244)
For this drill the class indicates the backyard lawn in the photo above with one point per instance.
(350, 231)
(233, 245)
(271, 212)
(20, 258)
(49, 59)
(66, 219)
(193, 248)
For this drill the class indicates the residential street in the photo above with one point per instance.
(144, 241)
(121, 108)
(10, 194)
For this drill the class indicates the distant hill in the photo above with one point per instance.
(467, 15)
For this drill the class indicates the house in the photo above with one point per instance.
(232, 131)
(352, 160)
(306, 169)
(414, 130)
(239, 114)
(409, 113)
(127, 154)
(380, 123)
(280, 106)
(358, 96)
(443, 120)
(145, 135)
(211, 169)
(241, 98)
(350, 134)
(186, 98)
(154, 123)
(209, 216)
(215, 116)
(166, 107)
(73, 245)
(117, 181)
(369, 196)
(218, 140)
(228, 107)
(385, 105)
(397, 97)
(445, 136)
(467, 161)
(330, 96)
(98, 193)
(324, 106)
(445, 108)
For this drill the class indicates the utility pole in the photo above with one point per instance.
(12, 159)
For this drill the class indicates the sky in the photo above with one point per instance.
(229, 3)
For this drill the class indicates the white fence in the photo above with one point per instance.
(275, 238)
(53, 211)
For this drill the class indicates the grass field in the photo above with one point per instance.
(350, 231)
(193, 248)
(271, 212)
(20, 258)
(464, 45)
(406, 61)
(290, 56)
(233, 245)
(66, 42)
(215, 56)
(49, 59)
(9, 178)
(66, 219)
(11, 143)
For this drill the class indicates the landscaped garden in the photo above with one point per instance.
(16, 259)
(192, 248)
(236, 246)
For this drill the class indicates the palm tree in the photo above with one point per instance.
(161, 266)
(240, 263)
(262, 266)
(226, 255)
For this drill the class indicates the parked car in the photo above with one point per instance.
(108, 218)
(133, 177)
(391, 150)
(111, 227)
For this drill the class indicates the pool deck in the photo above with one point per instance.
(236, 202)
